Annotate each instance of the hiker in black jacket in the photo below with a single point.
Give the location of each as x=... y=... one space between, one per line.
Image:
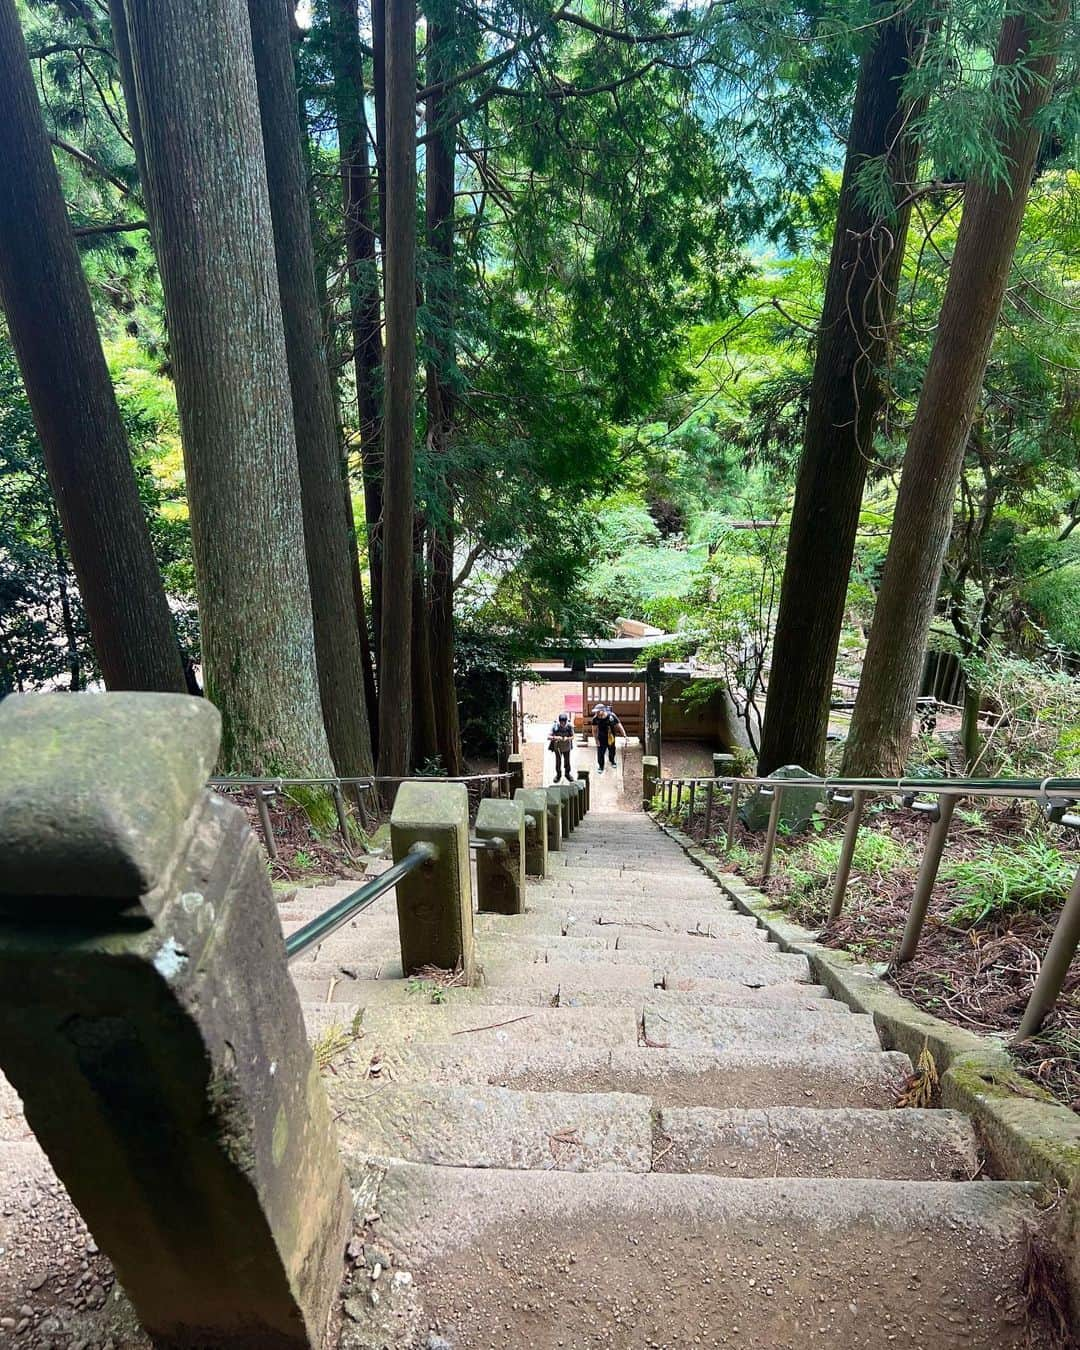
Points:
x=605 y=724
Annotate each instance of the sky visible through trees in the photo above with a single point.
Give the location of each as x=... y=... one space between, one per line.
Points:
x=349 y=352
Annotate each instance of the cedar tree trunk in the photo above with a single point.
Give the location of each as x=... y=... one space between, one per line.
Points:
x=993 y=211
x=339 y=657
x=208 y=200
x=51 y=321
x=846 y=396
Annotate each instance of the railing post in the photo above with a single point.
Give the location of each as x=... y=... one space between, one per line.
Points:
x=516 y=767
x=342 y=815
x=434 y=903
x=584 y=777
x=535 y=804
x=579 y=800
x=149 y=1025
x=670 y=793
x=770 y=834
x=851 y=834
x=262 y=796
x=708 y=809
x=690 y=805
x=1055 y=966
x=500 y=874
x=678 y=796
x=650 y=778
x=733 y=813
x=928 y=870
x=554 y=818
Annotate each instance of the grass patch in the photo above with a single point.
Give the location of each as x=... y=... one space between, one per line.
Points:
x=1027 y=877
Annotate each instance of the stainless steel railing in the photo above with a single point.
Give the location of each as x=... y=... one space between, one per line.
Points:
x=934 y=797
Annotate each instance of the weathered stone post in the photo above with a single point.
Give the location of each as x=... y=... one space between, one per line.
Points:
x=723 y=766
x=149 y=1024
x=516 y=767
x=566 y=793
x=500 y=874
x=434 y=903
x=650 y=779
x=652 y=712
x=535 y=805
x=583 y=777
x=554 y=818
x=578 y=798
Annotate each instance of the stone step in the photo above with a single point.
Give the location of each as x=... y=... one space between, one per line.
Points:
x=500 y=1258
x=693 y=944
x=494 y=1127
x=508 y=1027
x=690 y=1028
x=606 y=921
x=388 y=993
x=750 y=963
x=749 y=1073
x=803 y=1142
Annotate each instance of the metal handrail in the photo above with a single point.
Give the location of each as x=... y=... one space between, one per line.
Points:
x=338 y=914
x=1054 y=795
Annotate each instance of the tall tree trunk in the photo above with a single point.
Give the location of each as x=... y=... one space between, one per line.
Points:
x=846 y=397
x=49 y=314
x=399 y=188
x=378 y=68
x=425 y=744
x=358 y=196
x=66 y=617
x=208 y=199
x=370 y=695
x=339 y=657
x=439 y=212
x=993 y=211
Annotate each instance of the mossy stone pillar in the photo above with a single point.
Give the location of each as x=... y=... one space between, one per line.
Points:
x=650 y=779
x=534 y=803
x=500 y=874
x=723 y=766
x=554 y=818
x=583 y=778
x=516 y=767
x=434 y=903
x=149 y=1024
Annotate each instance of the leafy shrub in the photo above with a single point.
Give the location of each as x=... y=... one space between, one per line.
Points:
x=1032 y=877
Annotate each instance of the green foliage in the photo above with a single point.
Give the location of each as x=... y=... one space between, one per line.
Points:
x=814 y=864
x=1027 y=876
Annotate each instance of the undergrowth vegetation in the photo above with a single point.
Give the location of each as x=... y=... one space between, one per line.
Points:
x=1000 y=889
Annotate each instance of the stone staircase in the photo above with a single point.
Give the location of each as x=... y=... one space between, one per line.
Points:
x=647 y=1128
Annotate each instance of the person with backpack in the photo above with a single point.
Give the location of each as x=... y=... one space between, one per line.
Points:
x=561 y=740
x=605 y=723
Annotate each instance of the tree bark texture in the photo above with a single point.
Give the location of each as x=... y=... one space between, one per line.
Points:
x=56 y=341
x=846 y=397
x=439 y=217
x=358 y=201
x=339 y=657
x=399 y=409
x=881 y=722
x=207 y=191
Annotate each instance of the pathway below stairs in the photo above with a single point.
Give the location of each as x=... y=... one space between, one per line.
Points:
x=647 y=1128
